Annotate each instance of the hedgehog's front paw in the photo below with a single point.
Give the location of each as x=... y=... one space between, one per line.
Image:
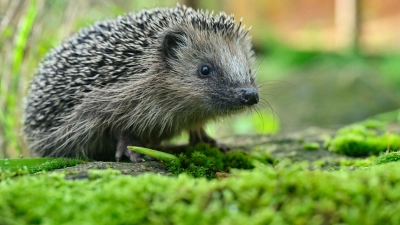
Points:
x=196 y=136
x=122 y=149
x=133 y=156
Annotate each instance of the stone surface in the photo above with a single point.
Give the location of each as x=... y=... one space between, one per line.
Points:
x=127 y=168
x=281 y=146
x=288 y=145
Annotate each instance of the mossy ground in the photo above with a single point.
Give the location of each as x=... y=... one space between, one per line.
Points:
x=18 y=167
x=288 y=193
x=263 y=191
x=389 y=157
x=204 y=161
x=364 y=139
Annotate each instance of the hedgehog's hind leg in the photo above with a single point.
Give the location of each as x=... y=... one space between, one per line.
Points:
x=123 y=141
x=200 y=135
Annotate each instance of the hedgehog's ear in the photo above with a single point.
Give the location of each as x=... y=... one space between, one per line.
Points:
x=172 y=42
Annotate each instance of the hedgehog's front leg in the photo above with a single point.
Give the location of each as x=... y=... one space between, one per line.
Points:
x=123 y=141
x=200 y=135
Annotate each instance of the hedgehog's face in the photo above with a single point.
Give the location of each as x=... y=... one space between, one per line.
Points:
x=212 y=70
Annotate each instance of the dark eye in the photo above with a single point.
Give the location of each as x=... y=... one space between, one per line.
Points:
x=205 y=70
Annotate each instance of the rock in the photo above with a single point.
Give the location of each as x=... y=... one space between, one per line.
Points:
x=127 y=168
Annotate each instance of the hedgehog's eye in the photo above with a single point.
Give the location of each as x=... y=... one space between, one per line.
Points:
x=205 y=70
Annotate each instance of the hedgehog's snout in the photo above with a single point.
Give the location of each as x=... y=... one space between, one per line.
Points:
x=248 y=96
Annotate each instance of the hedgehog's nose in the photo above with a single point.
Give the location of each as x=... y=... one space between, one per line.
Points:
x=248 y=96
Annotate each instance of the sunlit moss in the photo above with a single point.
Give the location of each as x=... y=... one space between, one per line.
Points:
x=389 y=157
x=285 y=194
x=311 y=146
x=363 y=140
x=357 y=162
x=17 y=167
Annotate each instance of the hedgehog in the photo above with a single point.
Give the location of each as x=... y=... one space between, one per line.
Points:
x=139 y=79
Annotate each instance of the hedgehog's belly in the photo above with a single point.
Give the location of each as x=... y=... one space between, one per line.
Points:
x=155 y=136
x=104 y=150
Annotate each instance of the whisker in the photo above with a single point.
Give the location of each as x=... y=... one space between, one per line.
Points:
x=260 y=115
x=277 y=81
x=258 y=67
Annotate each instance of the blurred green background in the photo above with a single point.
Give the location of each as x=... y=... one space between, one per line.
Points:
x=320 y=63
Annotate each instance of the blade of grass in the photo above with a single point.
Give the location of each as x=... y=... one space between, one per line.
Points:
x=21 y=39
x=9 y=92
x=153 y=153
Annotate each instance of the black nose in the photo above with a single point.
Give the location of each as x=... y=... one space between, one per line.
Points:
x=248 y=96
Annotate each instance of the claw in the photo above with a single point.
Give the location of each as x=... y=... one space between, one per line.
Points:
x=134 y=156
x=122 y=149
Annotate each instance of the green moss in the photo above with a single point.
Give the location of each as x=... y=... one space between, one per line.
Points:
x=7 y=173
x=17 y=167
x=204 y=161
x=286 y=194
x=319 y=163
x=358 y=162
x=265 y=158
x=311 y=146
x=345 y=164
x=56 y=163
x=237 y=160
x=373 y=124
x=362 y=140
x=388 y=157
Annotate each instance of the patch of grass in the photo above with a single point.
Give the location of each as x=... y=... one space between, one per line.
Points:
x=10 y=85
x=204 y=161
x=286 y=194
x=362 y=140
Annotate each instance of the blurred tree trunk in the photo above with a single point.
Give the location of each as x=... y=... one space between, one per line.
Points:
x=348 y=23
